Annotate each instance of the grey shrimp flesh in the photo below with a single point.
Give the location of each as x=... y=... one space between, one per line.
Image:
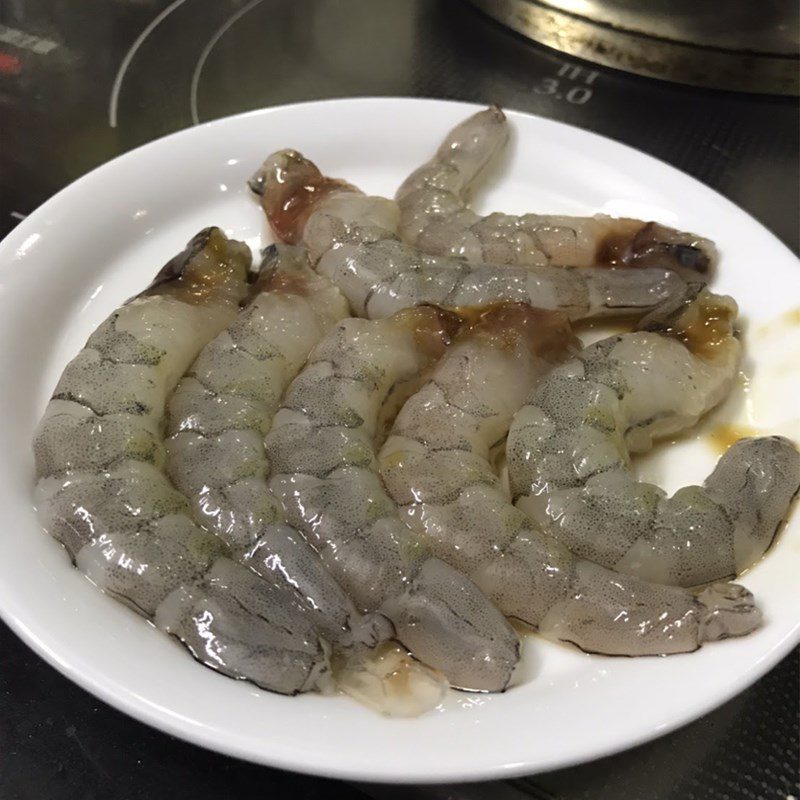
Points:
x=322 y=450
x=291 y=189
x=218 y=417
x=436 y=466
x=103 y=493
x=435 y=217
x=223 y=407
x=569 y=453
x=352 y=240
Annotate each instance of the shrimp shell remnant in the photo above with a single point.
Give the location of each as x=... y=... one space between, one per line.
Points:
x=322 y=451
x=435 y=218
x=569 y=453
x=103 y=494
x=436 y=466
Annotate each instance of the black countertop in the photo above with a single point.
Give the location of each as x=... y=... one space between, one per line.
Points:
x=83 y=82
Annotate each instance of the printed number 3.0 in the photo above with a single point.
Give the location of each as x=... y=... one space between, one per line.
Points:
x=578 y=95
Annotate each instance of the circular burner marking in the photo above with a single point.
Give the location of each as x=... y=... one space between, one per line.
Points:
x=198 y=69
x=123 y=67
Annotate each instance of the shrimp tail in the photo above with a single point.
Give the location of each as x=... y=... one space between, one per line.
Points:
x=667 y=313
x=462 y=156
x=388 y=680
x=755 y=482
x=444 y=615
x=728 y=609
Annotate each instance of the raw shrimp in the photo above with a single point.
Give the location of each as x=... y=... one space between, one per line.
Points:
x=436 y=467
x=222 y=409
x=321 y=447
x=434 y=217
x=352 y=240
x=109 y=402
x=569 y=454
x=376 y=672
x=218 y=417
x=103 y=494
x=381 y=277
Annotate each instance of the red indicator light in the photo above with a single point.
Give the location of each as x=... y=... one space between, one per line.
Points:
x=9 y=65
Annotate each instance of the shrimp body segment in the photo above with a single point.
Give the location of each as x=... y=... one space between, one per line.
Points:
x=570 y=467
x=436 y=466
x=434 y=217
x=322 y=450
x=103 y=494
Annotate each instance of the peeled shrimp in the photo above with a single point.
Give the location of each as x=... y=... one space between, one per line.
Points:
x=434 y=217
x=103 y=494
x=321 y=447
x=218 y=417
x=569 y=454
x=223 y=407
x=384 y=276
x=292 y=189
x=352 y=240
x=220 y=412
x=436 y=466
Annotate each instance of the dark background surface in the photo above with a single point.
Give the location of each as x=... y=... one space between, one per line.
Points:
x=60 y=116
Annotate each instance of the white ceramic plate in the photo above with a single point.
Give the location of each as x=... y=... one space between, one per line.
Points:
x=102 y=239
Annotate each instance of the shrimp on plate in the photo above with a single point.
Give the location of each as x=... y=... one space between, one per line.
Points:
x=218 y=416
x=436 y=465
x=222 y=409
x=434 y=216
x=102 y=491
x=352 y=240
x=474 y=647
x=322 y=449
x=569 y=452
x=385 y=276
